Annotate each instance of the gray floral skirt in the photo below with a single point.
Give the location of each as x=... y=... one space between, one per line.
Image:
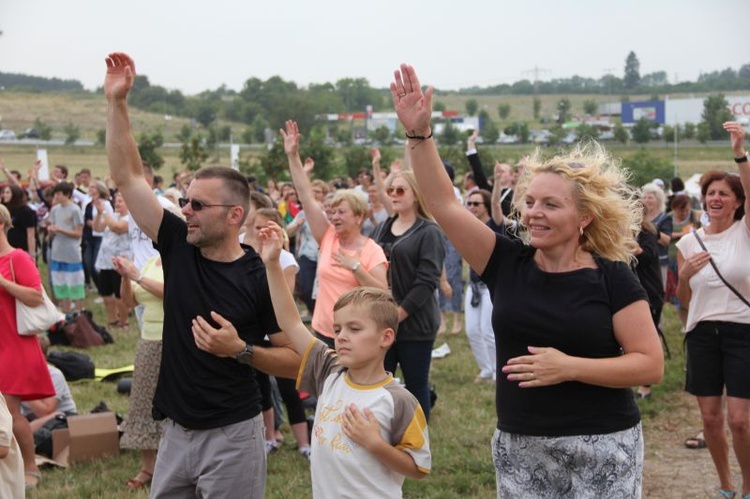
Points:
x=140 y=431
x=582 y=466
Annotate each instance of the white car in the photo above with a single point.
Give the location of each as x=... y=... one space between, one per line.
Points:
x=508 y=139
x=7 y=135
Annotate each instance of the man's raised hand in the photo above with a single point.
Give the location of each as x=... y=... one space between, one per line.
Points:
x=120 y=76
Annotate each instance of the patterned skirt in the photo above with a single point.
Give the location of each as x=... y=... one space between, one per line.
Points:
x=140 y=431
x=574 y=467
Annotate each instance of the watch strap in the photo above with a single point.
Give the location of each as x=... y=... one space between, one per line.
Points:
x=741 y=159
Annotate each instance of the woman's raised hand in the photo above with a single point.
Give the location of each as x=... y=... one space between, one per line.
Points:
x=291 y=138
x=414 y=108
x=737 y=136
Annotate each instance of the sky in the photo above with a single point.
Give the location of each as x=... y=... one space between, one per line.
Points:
x=194 y=46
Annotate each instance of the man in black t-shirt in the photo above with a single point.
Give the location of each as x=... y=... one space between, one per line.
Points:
x=216 y=306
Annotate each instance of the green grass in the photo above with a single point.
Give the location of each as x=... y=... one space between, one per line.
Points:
x=461 y=426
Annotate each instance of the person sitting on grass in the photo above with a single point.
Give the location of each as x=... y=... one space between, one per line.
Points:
x=369 y=431
x=42 y=410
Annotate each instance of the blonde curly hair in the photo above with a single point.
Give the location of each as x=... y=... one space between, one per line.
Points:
x=601 y=190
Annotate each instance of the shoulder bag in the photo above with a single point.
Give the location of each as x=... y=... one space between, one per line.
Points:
x=716 y=269
x=35 y=320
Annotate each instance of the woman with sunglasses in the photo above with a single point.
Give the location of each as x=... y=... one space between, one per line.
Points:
x=572 y=324
x=347 y=258
x=413 y=245
x=718 y=322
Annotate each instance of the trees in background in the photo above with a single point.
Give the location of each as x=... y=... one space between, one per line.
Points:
x=632 y=77
x=715 y=113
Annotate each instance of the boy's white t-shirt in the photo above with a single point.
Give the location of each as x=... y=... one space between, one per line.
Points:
x=340 y=467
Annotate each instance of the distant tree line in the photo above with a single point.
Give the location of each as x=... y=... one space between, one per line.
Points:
x=26 y=83
x=652 y=83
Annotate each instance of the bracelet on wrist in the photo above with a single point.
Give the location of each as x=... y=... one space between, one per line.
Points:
x=741 y=159
x=418 y=137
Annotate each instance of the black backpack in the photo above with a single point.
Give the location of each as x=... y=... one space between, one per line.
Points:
x=74 y=365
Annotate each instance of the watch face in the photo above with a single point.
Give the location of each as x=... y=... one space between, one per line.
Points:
x=246 y=355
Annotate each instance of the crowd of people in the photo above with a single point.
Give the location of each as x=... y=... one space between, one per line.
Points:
x=569 y=269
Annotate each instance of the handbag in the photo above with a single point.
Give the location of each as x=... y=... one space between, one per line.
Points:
x=716 y=269
x=81 y=333
x=35 y=320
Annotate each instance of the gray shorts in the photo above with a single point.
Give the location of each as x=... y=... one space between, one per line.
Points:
x=581 y=466
x=225 y=462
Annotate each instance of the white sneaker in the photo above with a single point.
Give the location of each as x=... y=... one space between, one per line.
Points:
x=271 y=447
x=98 y=299
x=441 y=351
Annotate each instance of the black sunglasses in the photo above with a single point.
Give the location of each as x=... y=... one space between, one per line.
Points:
x=198 y=205
x=397 y=191
x=474 y=203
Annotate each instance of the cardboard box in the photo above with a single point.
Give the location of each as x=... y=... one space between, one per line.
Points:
x=88 y=437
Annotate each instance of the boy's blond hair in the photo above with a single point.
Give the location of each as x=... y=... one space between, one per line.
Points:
x=379 y=304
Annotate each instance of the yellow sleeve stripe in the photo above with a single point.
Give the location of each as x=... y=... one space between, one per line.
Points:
x=304 y=361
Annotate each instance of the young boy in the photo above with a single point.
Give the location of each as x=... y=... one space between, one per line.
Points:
x=66 y=266
x=369 y=431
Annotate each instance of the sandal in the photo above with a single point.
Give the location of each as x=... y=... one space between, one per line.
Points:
x=36 y=477
x=725 y=494
x=696 y=442
x=142 y=479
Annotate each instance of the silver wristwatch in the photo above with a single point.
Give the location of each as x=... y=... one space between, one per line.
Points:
x=246 y=354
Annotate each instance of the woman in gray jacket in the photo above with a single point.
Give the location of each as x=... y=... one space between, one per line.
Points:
x=413 y=245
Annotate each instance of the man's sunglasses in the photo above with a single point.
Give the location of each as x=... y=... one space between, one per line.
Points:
x=396 y=191
x=474 y=203
x=198 y=205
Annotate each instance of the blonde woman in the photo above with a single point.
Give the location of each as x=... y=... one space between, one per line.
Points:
x=347 y=258
x=655 y=201
x=413 y=245
x=572 y=324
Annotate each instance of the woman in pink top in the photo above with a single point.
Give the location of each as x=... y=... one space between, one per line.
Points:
x=347 y=258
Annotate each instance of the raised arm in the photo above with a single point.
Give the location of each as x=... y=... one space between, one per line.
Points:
x=8 y=175
x=473 y=240
x=313 y=211
x=286 y=311
x=737 y=136
x=472 y=155
x=496 y=207
x=380 y=184
x=125 y=165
